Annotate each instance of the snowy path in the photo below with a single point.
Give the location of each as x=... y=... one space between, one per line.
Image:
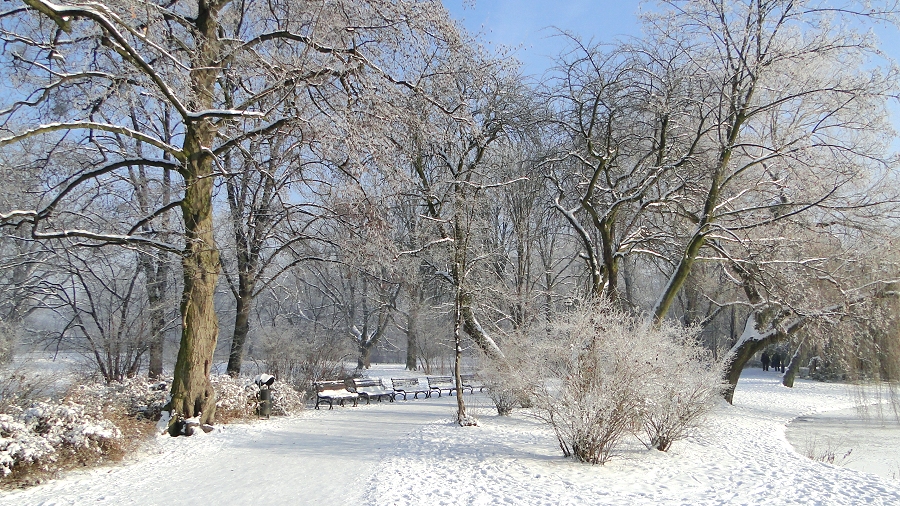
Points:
x=409 y=453
x=320 y=458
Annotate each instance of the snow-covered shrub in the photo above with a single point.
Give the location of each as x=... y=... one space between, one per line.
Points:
x=504 y=398
x=21 y=446
x=601 y=374
x=681 y=385
x=47 y=432
x=507 y=386
x=236 y=398
x=287 y=401
x=135 y=397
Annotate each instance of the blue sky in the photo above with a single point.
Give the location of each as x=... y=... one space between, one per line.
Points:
x=529 y=25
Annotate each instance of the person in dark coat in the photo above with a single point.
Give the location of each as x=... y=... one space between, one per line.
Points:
x=765 y=360
x=776 y=361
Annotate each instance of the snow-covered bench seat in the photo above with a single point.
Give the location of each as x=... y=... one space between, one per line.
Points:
x=438 y=383
x=331 y=391
x=404 y=386
x=370 y=389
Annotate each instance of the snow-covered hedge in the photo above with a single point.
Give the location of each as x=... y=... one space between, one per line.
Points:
x=600 y=374
x=47 y=431
x=236 y=398
x=42 y=435
x=134 y=397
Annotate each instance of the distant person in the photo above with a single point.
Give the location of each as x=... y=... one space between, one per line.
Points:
x=776 y=361
x=765 y=361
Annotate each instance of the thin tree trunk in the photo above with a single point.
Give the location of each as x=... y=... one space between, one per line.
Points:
x=157 y=273
x=461 y=417
x=412 y=337
x=473 y=328
x=239 y=337
x=793 y=366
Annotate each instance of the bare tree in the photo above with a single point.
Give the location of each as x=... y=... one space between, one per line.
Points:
x=629 y=128
x=108 y=319
x=796 y=118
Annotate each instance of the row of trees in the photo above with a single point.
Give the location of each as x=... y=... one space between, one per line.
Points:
x=359 y=170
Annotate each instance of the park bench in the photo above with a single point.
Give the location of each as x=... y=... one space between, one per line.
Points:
x=404 y=386
x=331 y=391
x=438 y=383
x=370 y=389
x=471 y=382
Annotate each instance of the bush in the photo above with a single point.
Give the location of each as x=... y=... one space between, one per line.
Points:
x=504 y=380
x=504 y=398
x=134 y=397
x=236 y=399
x=680 y=389
x=603 y=374
x=99 y=421
x=48 y=434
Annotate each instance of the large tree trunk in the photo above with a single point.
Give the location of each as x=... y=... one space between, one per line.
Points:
x=192 y=392
x=740 y=355
x=364 y=360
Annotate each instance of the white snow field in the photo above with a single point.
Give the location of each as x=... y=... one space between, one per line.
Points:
x=410 y=453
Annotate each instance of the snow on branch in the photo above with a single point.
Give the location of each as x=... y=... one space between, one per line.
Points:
x=223 y=113
x=106 y=239
x=423 y=248
x=90 y=125
x=17 y=213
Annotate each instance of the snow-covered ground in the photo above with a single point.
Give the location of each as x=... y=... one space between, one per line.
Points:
x=866 y=441
x=410 y=453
